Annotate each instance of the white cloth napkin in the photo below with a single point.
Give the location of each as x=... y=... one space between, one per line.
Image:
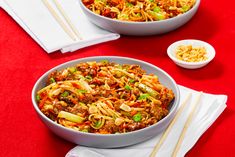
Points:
x=208 y=110
x=37 y=21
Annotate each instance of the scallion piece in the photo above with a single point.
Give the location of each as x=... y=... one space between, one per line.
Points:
x=157 y=9
x=72 y=69
x=98 y=123
x=131 y=80
x=52 y=80
x=65 y=94
x=143 y=96
x=84 y=130
x=71 y=117
x=185 y=8
x=38 y=97
x=82 y=91
x=148 y=90
x=127 y=87
x=104 y=61
x=88 y=77
x=160 y=16
x=129 y=4
x=137 y=117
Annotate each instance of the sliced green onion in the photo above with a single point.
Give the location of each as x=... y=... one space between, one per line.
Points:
x=157 y=9
x=157 y=15
x=71 y=117
x=52 y=80
x=127 y=87
x=72 y=69
x=129 y=4
x=82 y=91
x=143 y=96
x=98 y=123
x=137 y=117
x=84 y=130
x=65 y=94
x=84 y=106
x=148 y=90
x=185 y=8
x=38 y=98
x=88 y=77
x=123 y=16
x=131 y=80
x=160 y=16
x=104 y=61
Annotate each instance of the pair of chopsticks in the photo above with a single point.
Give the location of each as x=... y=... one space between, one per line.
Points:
x=189 y=120
x=72 y=31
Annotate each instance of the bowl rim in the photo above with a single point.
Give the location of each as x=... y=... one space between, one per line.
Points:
x=196 y=5
x=35 y=105
x=211 y=52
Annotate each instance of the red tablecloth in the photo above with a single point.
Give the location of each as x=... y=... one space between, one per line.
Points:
x=22 y=62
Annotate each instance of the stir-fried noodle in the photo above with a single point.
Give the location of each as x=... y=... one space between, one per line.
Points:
x=104 y=97
x=139 y=10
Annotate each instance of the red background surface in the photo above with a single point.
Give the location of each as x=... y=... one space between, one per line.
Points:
x=22 y=62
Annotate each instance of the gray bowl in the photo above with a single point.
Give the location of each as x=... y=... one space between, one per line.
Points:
x=112 y=140
x=140 y=28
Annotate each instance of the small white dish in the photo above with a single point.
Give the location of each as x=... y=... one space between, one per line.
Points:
x=171 y=51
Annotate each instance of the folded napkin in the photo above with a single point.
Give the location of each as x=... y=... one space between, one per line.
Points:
x=207 y=111
x=38 y=22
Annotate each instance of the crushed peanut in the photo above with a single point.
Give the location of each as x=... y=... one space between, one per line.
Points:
x=188 y=53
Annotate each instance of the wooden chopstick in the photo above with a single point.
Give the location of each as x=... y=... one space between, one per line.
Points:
x=58 y=19
x=74 y=29
x=189 y=120
x=165 y=134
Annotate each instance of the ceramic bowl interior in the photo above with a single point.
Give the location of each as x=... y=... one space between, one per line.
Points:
x=139 y=28
x=171 y=51
x=112 y=140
